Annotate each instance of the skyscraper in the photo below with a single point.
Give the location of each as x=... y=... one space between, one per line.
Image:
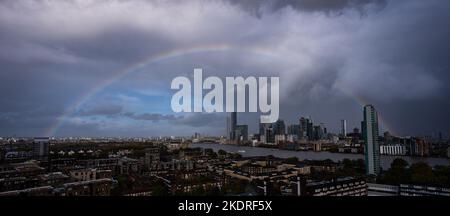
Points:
x=293 y=129
x=228 y=134
x=303 y=127
x=233 y=123
x=343 y=128
x=317 y=132
x=309 y=129
x=279 y=127
x=241 y=133
x=370 y=133
x=293 y=132
x=269 y=135
x=265 y=132
x=322 y=131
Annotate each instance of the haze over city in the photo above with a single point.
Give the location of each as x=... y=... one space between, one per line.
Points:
x=103 y=68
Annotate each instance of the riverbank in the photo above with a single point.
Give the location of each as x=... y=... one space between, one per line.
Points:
x=247 y=151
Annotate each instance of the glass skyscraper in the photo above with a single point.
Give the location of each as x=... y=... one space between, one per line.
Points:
x=370 y=132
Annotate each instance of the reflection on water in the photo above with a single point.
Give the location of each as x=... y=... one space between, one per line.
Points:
x=246 y=151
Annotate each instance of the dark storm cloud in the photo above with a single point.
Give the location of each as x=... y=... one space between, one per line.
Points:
x=103 y=110
x=155 y=117
x=334 y=6
x=121 y=44
x=54 y=52
x=85 y=129
x=202 y=120
x=190 y=119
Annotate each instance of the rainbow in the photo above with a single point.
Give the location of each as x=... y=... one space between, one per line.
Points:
x=51 y=131
x=53 y=128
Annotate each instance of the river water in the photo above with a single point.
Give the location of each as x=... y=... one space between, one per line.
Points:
x=247 y=151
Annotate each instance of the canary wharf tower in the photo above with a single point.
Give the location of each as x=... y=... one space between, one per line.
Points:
x=370 y=133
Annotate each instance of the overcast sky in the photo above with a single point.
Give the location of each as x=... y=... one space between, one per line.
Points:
x=331 y=56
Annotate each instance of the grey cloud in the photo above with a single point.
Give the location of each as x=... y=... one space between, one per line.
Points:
x=257 y=7
x=188 y=119
x=155 y=117
x=395 y=58
x=103 y=109
x=202 y=120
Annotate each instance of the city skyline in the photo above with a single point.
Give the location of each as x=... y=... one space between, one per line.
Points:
x=287 y=124
x=97 y=69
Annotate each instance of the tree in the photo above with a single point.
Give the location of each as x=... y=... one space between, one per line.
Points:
x=198 y=191
x=347 y=163
x=236 y=186
x=360 y=166
x=421 y=173
x=214 y=191
x=442 y=175
x=160 y=189
x=347 y=168
x=399 y=163
x=398 y=173
x=291 y=160
x=221 y=152
x=163 y=150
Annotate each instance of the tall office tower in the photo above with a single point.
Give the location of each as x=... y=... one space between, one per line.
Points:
x=303 y=127
x=370 y=133
x=309 y=129
x=293 y=129
x=233 y=123
x=316 y=132
x=343 y=128
x=228 y=128
x=323 y=131
x=279 y=128
x=263 y=129
x=269 y=135
x=241 y=133
x=40 y=148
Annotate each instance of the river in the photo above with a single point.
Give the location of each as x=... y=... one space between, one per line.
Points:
x=247 y=151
